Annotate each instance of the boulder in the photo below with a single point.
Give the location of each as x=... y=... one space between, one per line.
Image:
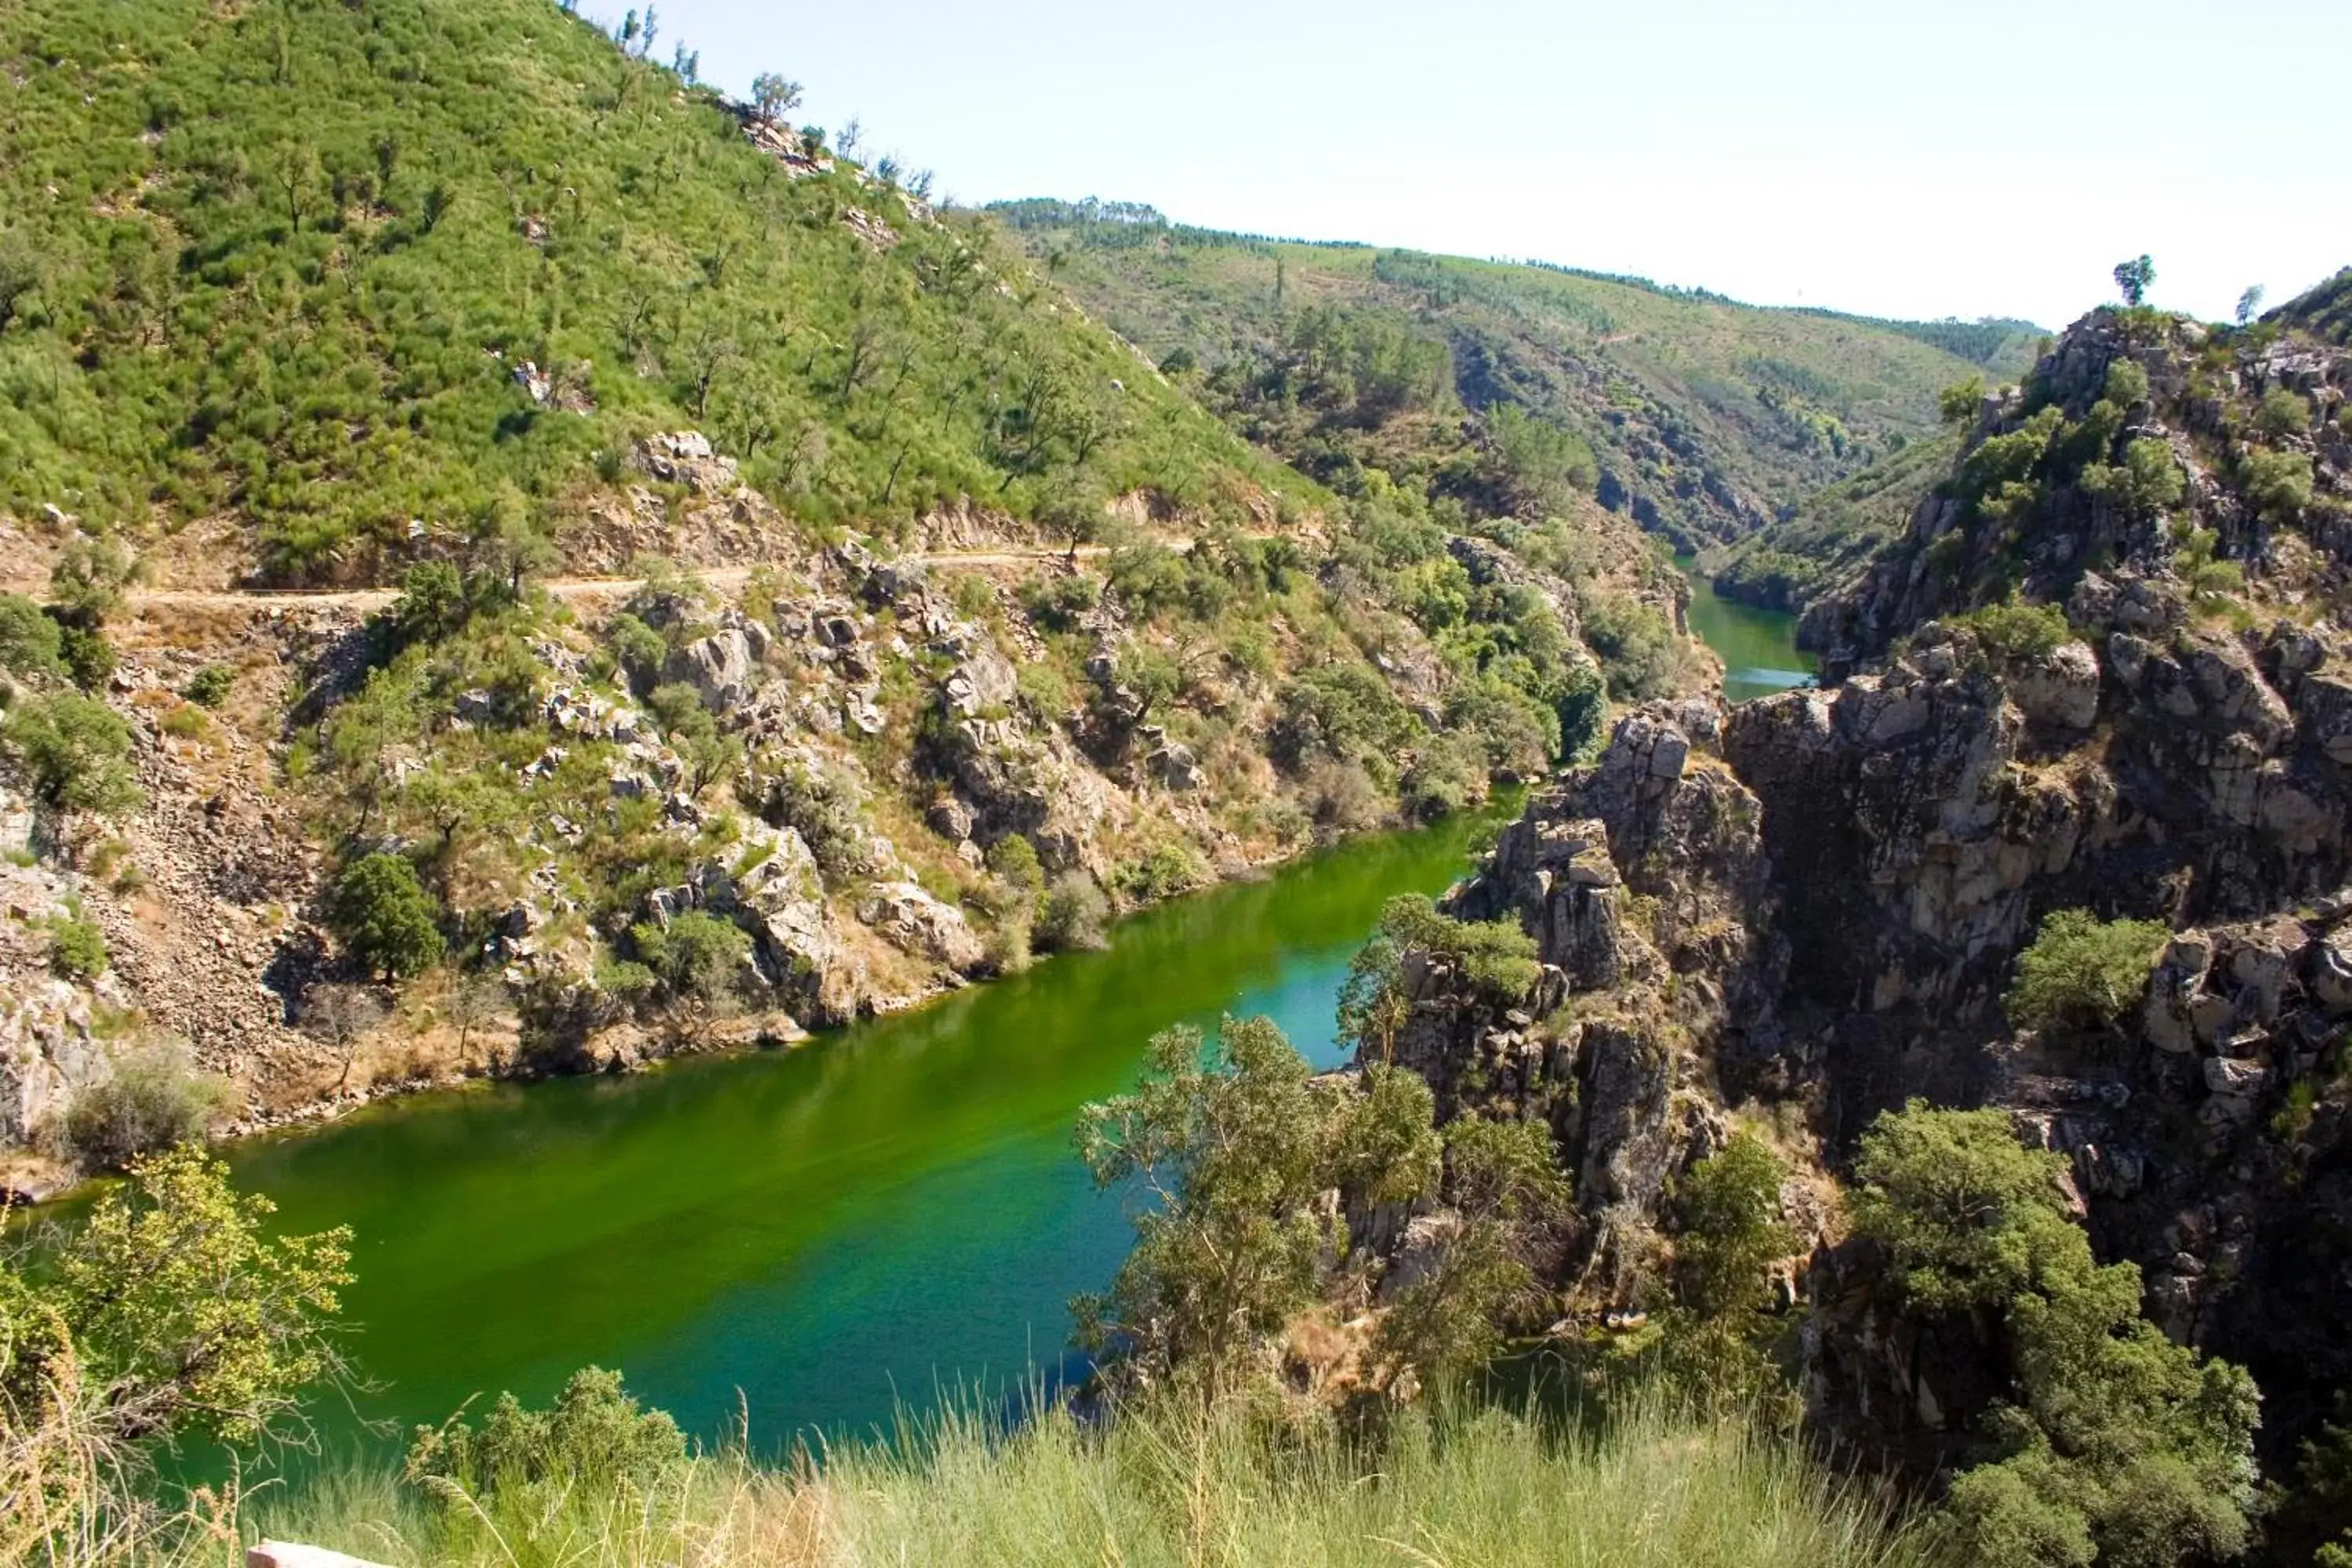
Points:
x=2061 y=689
x=912 y=919
x=719 y=667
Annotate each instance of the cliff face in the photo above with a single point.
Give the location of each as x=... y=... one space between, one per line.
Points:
x=1818 y=899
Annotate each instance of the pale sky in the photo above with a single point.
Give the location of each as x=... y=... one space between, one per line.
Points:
x=1919 y=158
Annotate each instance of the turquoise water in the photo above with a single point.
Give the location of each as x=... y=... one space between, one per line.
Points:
x=1759 y=648
x=883 y=1213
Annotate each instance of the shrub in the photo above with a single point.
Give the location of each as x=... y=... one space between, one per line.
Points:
x=153 y=1099
x=1167 y=869
x=2081 y=972
x=2015 y=632
x=1072 y=915
x=696 y=956
x=594 y=1437
x=1449 y=774
x=2283 y=413
x=209 y=688
x=1496 y=956
x=30 y=643
x=385 y=917
x=1013 y=860
x=1635 y=644
x=637 y=649
x=2278 y=483
x=2108 y=1442
x=1959 y=403
x=77 y=750
x=1343 y=709
x=1056 y=599
x=77 y=947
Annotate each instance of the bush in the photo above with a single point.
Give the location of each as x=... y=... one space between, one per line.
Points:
x=2082 y=973
x=2106 y=1440
x=637 y=649
x=696 y=956
x=77 y=750
x=593 y=1438
x=153 y=1098
x=1959 y=403
x=30 y=643
x=385 y=917
x=2015 y=632
x=1635 y=644
x=2283 y=413
x=2278 y=483
x=1072 y=915
x=1167 y=869
x=1013 y=860
x=77 y=947
x=1496 y=956
x=1057 y=599
x=210 y=687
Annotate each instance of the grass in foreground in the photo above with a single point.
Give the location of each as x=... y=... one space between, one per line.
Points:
x=1161 y=1487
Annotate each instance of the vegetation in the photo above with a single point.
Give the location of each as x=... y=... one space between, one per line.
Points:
x=2014 y=632
x=385 y=917
x=152 y=1099
x=2109 y=1443
x=513 y=250
x=77 y=750
x=76 y=946
x=1164 y=1483
x=2081 y=972
x=1495 y=956
x=167 y=1313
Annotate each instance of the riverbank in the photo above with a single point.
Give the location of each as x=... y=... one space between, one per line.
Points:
x=1758 y=646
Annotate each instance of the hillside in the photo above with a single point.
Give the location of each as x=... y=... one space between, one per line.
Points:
x=735 y=598
x=1699 y=417
x=336 y=285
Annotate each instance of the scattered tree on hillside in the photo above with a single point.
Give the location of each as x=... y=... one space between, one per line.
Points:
x=2132 y=277
x=2249 y=303
x=385 y=917
x=774 y=97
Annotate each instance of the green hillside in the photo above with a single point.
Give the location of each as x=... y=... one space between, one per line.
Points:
x=1704 y=417
x=287 y=259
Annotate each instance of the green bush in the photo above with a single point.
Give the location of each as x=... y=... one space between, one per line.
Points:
x=1072 y=915
x=385 y=917
x=2083 y=972
x=1167 y=869
x=2016 y=632
x=1056 y=599
x=637 y=649
x=77 y=750
x=697 y=955
x=1496 y=956
x=2105 y=1441
x=1635 y=643
x=30 y=642
x=77 y=947
x=210 y=687
x=1959 y=403
x=594 y=1438
x=2283 y=413
x=152 y=1099
x=2278 y=483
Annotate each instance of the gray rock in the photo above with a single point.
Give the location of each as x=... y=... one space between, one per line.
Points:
x=718 y=667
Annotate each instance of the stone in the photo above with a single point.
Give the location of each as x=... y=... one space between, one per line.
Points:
x=293 y=1554
x=909 y=916
x=2062 y=690
x=719 y=668
x=2331 y=970
x=2235 y=1077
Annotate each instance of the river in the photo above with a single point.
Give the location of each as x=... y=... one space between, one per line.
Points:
x=871 y=1217
x=1759 y=648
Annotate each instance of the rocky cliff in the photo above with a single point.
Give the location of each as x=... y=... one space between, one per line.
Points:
x=2105 y=670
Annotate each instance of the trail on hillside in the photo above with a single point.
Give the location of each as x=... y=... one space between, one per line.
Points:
x=368 y=599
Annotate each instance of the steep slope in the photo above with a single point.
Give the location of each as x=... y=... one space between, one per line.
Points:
x=1706 y=418
x=353 y=278
x=2103 y=670
x=758 y=602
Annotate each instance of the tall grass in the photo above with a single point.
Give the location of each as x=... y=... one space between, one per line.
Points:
x=1166 y=1485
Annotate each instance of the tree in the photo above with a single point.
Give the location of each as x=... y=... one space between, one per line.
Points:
x=30 y=644
x=1228 y=1152
x=2112 y=1443
x=2081 y=972
x=153 y=1097
x=343 y=1014
x=2249 y=303
x=774 y=97
x=1373 y=1004
x=385 y=917
x=1505 y=1189
x=177 y=1313
x=2132 y=277
x=77 y=750
x=697 y=958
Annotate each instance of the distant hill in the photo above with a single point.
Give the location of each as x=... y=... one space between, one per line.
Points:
x=1705 y=418
x=326 y=269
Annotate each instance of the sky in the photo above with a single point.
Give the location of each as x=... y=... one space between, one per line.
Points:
x=1912 y=158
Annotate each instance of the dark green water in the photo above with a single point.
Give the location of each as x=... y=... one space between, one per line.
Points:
x=870 y=1217
x=1759 y=648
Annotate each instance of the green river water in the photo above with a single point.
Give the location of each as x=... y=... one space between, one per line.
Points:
x=874 y=1217
x=1759 y=648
